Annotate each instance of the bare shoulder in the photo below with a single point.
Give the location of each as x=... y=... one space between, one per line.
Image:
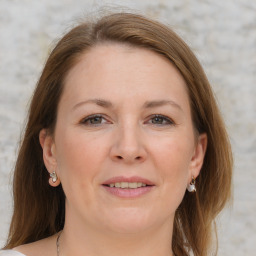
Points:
x=44 y=247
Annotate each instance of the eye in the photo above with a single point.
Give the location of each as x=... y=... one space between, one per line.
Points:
x=94 y=120
x=161 y=120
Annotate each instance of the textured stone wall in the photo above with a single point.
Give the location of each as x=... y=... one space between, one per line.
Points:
x=222 y=34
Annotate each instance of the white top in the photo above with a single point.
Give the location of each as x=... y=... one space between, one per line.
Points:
x=10 y=253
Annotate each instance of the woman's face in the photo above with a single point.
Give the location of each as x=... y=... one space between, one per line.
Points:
x=124 y=119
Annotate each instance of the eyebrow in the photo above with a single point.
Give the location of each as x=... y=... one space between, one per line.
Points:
x=147 y=104
x=159 y=103
x=99 y=102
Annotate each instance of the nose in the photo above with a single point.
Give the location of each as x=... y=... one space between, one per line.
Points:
x=128 y=145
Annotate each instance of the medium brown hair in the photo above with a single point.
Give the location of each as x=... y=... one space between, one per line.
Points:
x=39 y=209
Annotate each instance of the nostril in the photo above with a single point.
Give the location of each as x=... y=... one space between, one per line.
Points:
x=138 y=158
x=119 y=157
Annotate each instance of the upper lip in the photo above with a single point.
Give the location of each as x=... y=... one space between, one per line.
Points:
x=128 y=179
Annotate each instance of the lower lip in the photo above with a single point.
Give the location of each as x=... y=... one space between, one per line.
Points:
x=129 y=192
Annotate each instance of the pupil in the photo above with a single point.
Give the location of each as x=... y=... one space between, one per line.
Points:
x=158 y=120
x=96 y=120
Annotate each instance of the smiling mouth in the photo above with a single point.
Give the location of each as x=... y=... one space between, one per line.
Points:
x=126 y=185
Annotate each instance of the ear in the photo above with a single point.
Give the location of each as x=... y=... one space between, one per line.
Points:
x=197 y=159
x=49 y=154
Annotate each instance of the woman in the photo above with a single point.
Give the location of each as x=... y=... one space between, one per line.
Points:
x=124 y=126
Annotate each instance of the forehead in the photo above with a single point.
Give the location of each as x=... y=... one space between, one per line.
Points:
x=122 y=57
x=115 y=70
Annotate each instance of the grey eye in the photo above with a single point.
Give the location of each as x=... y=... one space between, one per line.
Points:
x=161 y=120
x=95 y=120
x=157 y=120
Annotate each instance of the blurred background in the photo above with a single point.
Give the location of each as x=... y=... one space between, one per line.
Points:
x=222 y=35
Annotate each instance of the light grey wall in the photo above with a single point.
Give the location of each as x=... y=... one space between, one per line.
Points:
x=222 y=34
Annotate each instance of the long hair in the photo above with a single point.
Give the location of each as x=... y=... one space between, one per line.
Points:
x=39 y=209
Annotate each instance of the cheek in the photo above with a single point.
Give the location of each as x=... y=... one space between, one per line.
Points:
x=172 y=159
x=174 y=154
x=78 y=157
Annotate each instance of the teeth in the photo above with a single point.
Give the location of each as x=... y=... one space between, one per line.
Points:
x=127 y=185
x=117 y=185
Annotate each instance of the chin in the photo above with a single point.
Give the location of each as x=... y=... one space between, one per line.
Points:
x=130 y=220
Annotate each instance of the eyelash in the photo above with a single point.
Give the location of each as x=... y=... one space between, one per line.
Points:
x=166 y=119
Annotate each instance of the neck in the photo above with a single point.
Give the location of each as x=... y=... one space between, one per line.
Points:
x=77 y=239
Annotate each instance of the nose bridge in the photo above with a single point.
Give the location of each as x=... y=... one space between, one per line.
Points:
x=128 y=144
x=129 y=136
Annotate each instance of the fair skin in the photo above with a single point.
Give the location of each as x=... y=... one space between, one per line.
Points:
x=126 y=87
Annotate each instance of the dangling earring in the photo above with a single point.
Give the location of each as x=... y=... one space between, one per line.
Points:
x=54 y=176
x=191 y=187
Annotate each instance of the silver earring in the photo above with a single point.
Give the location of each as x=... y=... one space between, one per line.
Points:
x=191 y=187
x=54 y=177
